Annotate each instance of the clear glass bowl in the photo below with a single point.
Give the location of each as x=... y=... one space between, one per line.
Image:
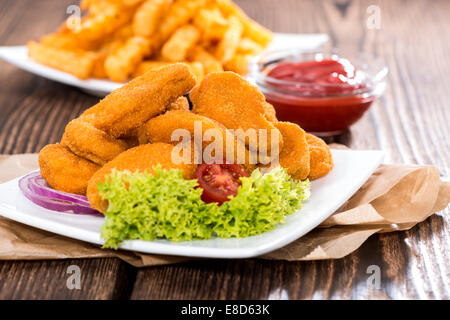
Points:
x=324 y=109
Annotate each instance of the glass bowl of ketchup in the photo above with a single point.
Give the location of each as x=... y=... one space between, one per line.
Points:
x=323 y=93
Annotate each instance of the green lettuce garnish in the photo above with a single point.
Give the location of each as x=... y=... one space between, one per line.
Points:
x=165 y=205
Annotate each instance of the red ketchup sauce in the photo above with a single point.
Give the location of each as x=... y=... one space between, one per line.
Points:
x=320 y=96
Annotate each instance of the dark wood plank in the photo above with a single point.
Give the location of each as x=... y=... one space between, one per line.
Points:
x=99 y=279
x=410 y=123
x=34 y=112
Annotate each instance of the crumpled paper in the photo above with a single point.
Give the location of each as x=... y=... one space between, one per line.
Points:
x=396 y=197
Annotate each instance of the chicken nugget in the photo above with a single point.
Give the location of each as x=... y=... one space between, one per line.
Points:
x=130 y=106
x=321 y=158
x=234 y=102
x=295 y=155
x=65 y=171
x=181 y=103
x=161 y=128
x=88 y=142
x=203 y=129
x=141 y=158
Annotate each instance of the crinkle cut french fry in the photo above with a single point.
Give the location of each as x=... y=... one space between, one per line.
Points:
x=248 y=46
x=122 y=33
x=121 y=64
x=176 y=48
x=211 y=23
x=148 y=65
x=198 y=70
x=209 y=62
x=230 y=41
x=113 y=43
x=99 y=65
x=179 y=14
x=148 y=16
x=62 y=41
x=239 y=64
x=145 y=66
x=252 y=29
x=90 y=4
x=96 y=27
x=79 y=63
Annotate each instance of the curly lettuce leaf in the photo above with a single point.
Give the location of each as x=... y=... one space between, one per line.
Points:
x=145 y=206
x=262 y=201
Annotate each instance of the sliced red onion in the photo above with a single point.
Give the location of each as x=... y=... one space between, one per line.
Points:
x=36 y=189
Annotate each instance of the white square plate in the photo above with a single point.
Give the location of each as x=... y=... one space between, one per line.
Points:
x=18 y=56
x=352 y=168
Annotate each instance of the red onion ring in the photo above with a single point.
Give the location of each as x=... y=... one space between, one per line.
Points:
x=36 y=189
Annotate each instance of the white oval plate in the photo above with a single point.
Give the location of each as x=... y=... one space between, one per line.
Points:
x=352 y=168
x=18 y=56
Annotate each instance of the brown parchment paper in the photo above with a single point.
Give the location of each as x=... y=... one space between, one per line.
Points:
x=396 y=197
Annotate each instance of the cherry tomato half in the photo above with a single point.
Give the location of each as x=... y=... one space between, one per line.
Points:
x=219 y=181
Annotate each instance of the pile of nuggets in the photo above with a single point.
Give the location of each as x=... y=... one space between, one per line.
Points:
x=131 y=129
x=119 y=39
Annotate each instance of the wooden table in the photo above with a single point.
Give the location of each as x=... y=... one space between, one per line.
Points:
x=410 y=122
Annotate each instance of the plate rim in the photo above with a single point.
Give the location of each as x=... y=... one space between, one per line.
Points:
x=190 y=251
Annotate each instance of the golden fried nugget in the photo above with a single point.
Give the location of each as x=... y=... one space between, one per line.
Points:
x=181 y=103
x=178 y=45
x=321 y=158
x=201 y=130
x=269 y=112
x=88 y=142
x=141 y=158
x=130 y=106
x=161 y=128
x=295 y=155
x=232 y=101
x=65 y=171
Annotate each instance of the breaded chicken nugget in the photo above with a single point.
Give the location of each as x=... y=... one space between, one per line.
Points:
x=269 y=112
x=229 y=99
x=181 y=103
x=321 y=158
x=141 y=158
x=295 y=155
x=88 y=142
x=161 y=128
x=130 y=106
x=65 y=171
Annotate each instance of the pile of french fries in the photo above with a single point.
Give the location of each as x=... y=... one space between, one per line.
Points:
x=122 y=39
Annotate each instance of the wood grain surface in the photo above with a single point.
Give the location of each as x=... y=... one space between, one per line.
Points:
x=410 y=122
